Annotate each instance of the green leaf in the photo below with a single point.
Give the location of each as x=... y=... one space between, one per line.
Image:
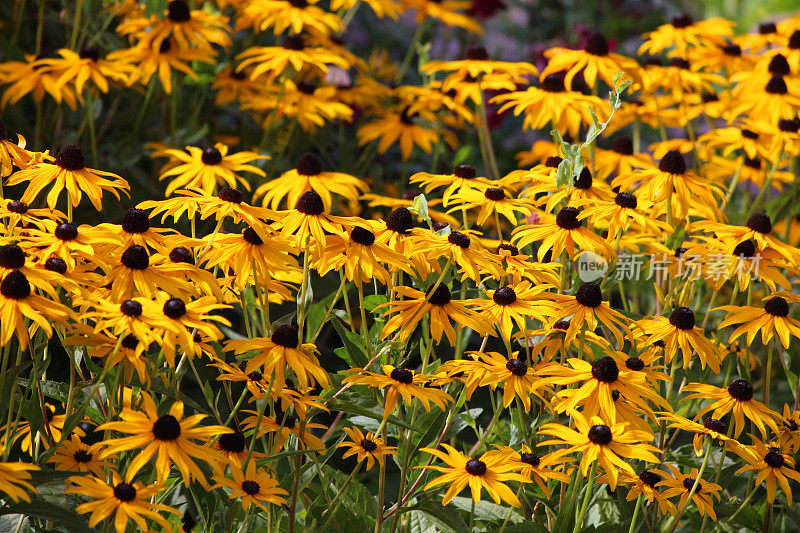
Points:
x=446 y=516
x=47 y=511
x=420 y=207
x=487 y=511
x=354 y=344
x=355 y=409
x=374 y=300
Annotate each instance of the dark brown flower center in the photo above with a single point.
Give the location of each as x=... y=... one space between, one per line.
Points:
x=286 y=336
x=584 y=179
x=567 y=218
x=440 y=297
x=70 y=157
x=294 y=42
x=688 y=483
x=181 y=254
x=600 y=434
x=623 y=145
x=178 y=11
x=459 y=239
x=741 y=390
x=733 y=50
x=605 y=369
x=166 y=428
x=504 y=296
x=400 y=220
x=495 y=194
x=466 y=172
x=310 y=203
x=634 y=363
x=135 y=221
x=251 y=237
x=89 y=52
x=362 y=236
x=232 y=442
x=17 y=207
x=589 y=295
x=760 y=222
x=82 y=456
x=767 y=27
x=15 y=286
x=776 y=85
x=251 y=487
x=779 y=66
x=56 y=264
x=714 y=424
x=211 y=156
x=517 y=367
x=553 y=84
x=174 y=308
x=626 y=200
x=682 y=318
x=229 y=194
x=682 y=21
x=402 y=375
x=135 y=257
x=130 y=308
x=679 y=62
x=66 y=232
x=476 y=53
x=130 y=341
x=777 y=306
x=11 y=256
x=475 y=467
x=530 y=459
x=508 y=247
x=774 y=459
x=125 y=492
x=672 y=163
x=308 y=165
x=649 y=478
x=368 y=445
x=745 y=249
x=553 y=161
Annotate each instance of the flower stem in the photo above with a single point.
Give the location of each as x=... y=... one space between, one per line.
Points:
x=768 y=371
x=673 y=523
x=587 y=496
x=635 y=513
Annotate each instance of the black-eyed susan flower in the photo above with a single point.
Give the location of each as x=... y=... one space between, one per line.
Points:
x=67 y=171
x=513 y=304
x=14 y=478
x=712 y=428
x=234 y=449
x=86 y=65
x=399 y=126
x=441 y=308
x=270 y=62
x=552 y=104
x=12 y=152
x=29 y=77
x=491 y=472
x=596 y=441
x=772 y=320
x=774 y=466
x=673 y=188
x=555 y=339
x=273 y=355
x=284 y=426
x=600 y=379
x=459 y=248
x=120 y=501
x=360 y=257
x=539 y=468
x=163 y=61
x=171 y=437
x=519 y=380
x=74 y=455
x=492 y=201
x=676 y=483
x=14 y=214
x=404 y=382
x=645 y=484
x=281 y=15
x=736 y=398
x=680 y=334
x=587 y=308
x=365 y=447
x=758 y=228
x=564 y=233
x=618 y=215
x=254 y=486
x=462 y=178
x=195 y=168
x=308 y=223
x=18 y=302
x=595 y=60
x=308 y=176
x=682 y=32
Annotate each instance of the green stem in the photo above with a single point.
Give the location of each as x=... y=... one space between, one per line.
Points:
x=483 y=131
x=76 y=24
x=768 y=371
x=636 y=513
x=673 y=523
x=587 y=496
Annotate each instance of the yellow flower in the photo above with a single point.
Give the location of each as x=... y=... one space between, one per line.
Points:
x=406 y=383
x=737 y=398
x=14 y=478
x=254 y=486
x=490 y=472
x=366 y=447
x=676 y=483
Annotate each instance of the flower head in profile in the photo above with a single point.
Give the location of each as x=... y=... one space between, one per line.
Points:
x=736 y=398
x=403 y=382
x=676 y=483
x=14 y=478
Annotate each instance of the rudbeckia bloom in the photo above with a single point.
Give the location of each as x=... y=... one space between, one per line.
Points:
x=594 y=60
x=308 y=176
x=758 y=228
x=446 y=11
x=281 y=15
x=710 y=427
x=205 y=170
x=28 y=77
x=254 y=486
x=69 y=242
x=675 y=483
x=462 y=178
x=491 y=472
x=552 y=104
x=519 y=380
x=407 y=383
x=679 y=333
x=737 y=398
x=673 y=188
x=475 y=66
x=171 y=437
x=367 y=447
x=87 y=65
x=773 y=320
x=441 y=307
x=308 y=222
x=601 y=379
x=75 y=456
x=399 y=126
x=492 y=201
x=12 y=153
x=561 y=234
x=272 y=61
x=645 y=484
x=18 y=302
x=284 y=426
x=535 y=467
x=619 y=214
x=14 y=214
x=595 y=441
x=276 y=353
x=464 y=252
x=188 y=27
x=121 y=500
x=513 y=304
x=67 y=171
x=14 y=478
x=360 y=257
x=587 y=308
x=683 y=32
x=773 y=464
